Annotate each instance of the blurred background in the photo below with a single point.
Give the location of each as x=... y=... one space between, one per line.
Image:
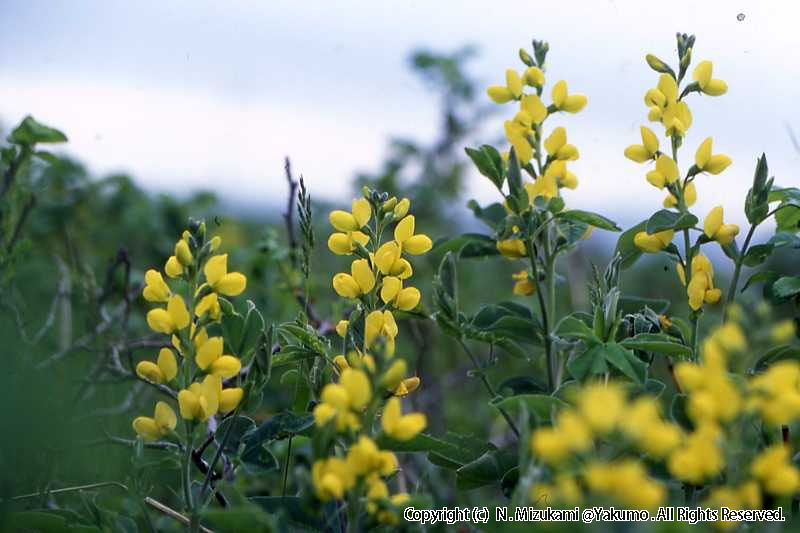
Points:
x=178 y=109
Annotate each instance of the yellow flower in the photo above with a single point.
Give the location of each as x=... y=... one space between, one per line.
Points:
x=341 y=327
x=407 y=386
x=518 y=134
x=570 y=103
x=364 y=458
x=201 y=400
x=549 y=445
x=389 y=261
x=546 y=185
x=702 y=75
x=229 y=399
x=665 y=107
x=209 y=304
x=339 y=400
x=689 y=196
x=533 y=76
x=162 y=423
x=401 y=209
x=410 y=243
x=665 y=173
x=512 y=248
x=220 y=280
x=394 y=375
x=156 y=289
x=183 y=253
x=715 y=229
x=523 y=285
x=173 y=268
x=214 y=243
x=171 y=319
x=625 y=481
x=783 y=331
x=399 y=426
x=534 y=107
x=701 y=287
x=645 y=151
x=713 y=164
x=165 y=369
x=601 y=406
x=699 y=458
x=775 y=394
x=653 y=243
x=209 y=358
x=360 y=281
x=331 y=477
x=557 y=147
x=643 y=423
x=512 y=90
x=349 y=222
x=775 y=471
x=346 y=243
x=392 y=291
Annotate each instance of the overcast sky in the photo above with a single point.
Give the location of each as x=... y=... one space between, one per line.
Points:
x=187 y=94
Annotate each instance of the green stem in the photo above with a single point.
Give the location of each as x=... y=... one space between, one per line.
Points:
x=551 y=372
x=695 y=320
x=550 y=285
x=731 y=296
x=489 y=388
x=286 y=466
x=187 y=469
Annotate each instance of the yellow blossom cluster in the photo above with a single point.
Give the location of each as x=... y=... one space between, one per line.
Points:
x=191 y=352
x=370 y=372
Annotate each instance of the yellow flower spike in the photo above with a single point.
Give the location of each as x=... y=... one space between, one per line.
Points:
x=394 y=375
x=156 y=289
x=702 y=75
x=706 y=162
x=173 y=268
x=183 y=253
x=523 y=285
x=220 y=280
x=534 y=107
x=398 y=426
x=557 y=147
x=345 y=286
x=645 y=151
x=714 y=228
x=401 y=209
x=666 y=172
x=341 y=327
x=514 y=82
x=565 y=102
x=533 y=77
x=653 y=243
x=499 y=94
x=391 y=286
x=408 y=298
x=357 y=387
x=229 y=399
x=150 y=371
x=171 y=319
x=225 y=367
x=167 y=364
x=208 y=352
x=361 y=272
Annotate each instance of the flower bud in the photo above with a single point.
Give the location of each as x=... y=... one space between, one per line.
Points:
x=182 y=253
x=526 y=58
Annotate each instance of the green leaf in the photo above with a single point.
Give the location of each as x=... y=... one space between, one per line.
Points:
x=628 y=251
x=632 y=304
x=297 y=512
x=778 y=353
x=251 y=331
x=788 y=218
x=488 y=162
x=492 y=215
x=576 y=326
x=280 y=426
x=451 y=451
x=786 y=287
x=625 y=361
x=757 y=254
x=30 y=132
x=541 y=405
x=664 y=220
x=487 y=469
x=239 y=427
x=592 y=362
x=767 y=276
x=508 y=319
x=592 y=219
x=467 y=245
x=518 y=385
x=658 y=343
